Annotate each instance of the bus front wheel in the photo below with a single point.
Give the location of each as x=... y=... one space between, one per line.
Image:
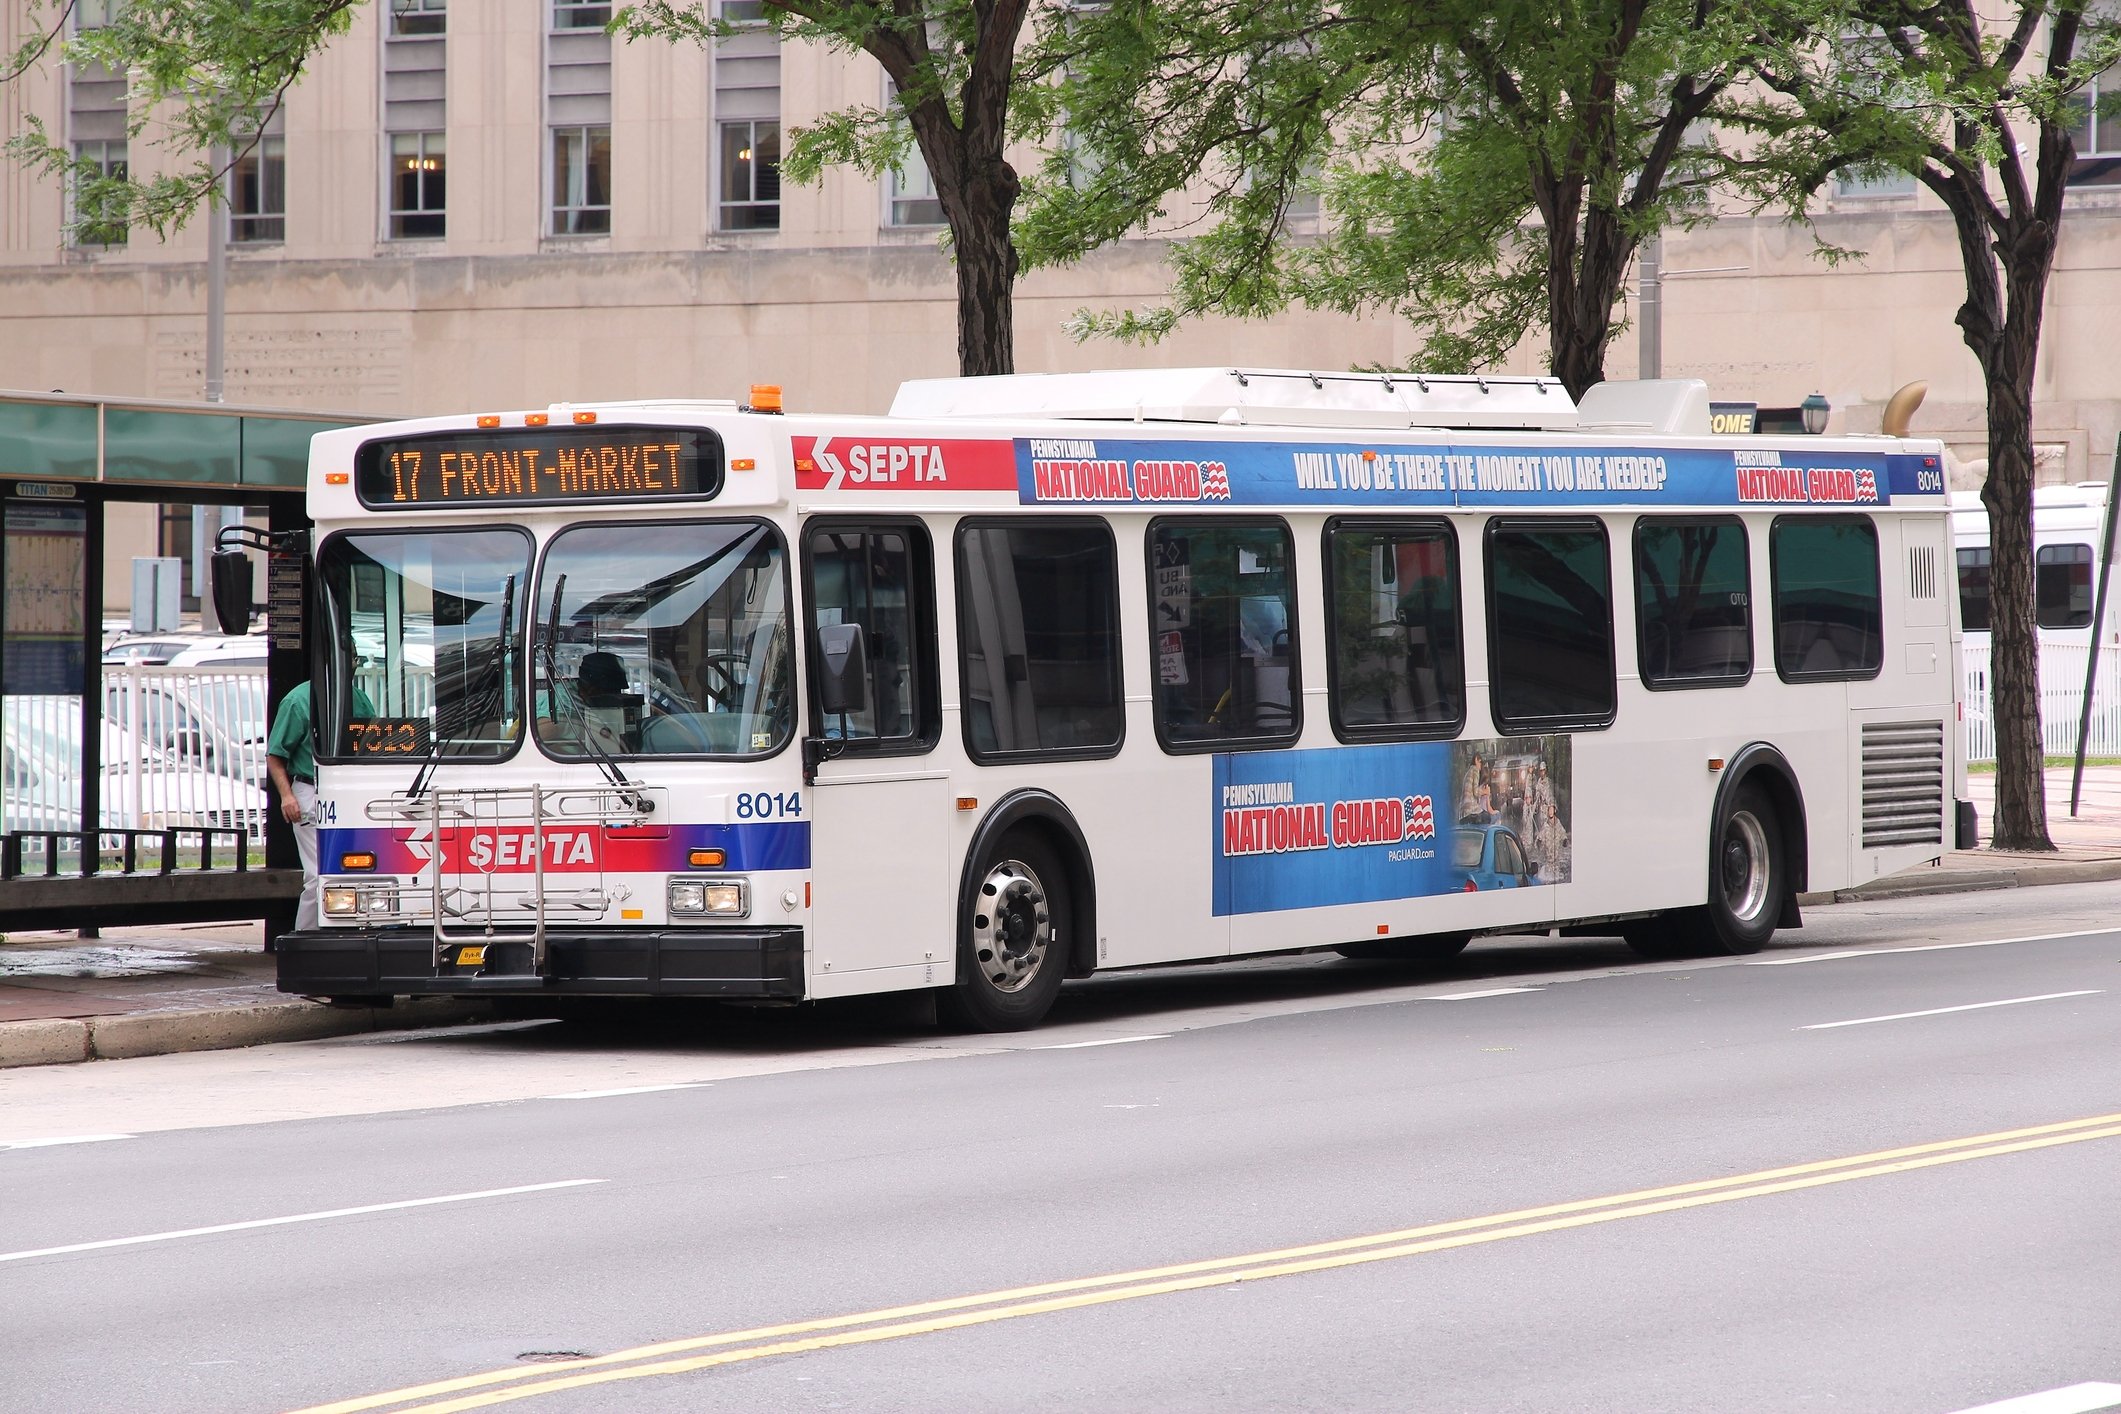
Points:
x=1012 y=948
x=1748 y=882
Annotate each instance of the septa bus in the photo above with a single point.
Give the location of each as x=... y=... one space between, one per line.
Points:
x=1039 y=676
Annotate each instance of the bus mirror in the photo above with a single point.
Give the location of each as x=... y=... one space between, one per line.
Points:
x=843 y=669
x=231 y=575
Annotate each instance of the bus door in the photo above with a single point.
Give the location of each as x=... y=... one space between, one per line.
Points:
x=881 y=804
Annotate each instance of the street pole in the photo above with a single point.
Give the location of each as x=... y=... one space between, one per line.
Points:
x=2091 y=659
x=1649 y=294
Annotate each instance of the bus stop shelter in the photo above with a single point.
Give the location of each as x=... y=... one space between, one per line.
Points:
x=65 y=463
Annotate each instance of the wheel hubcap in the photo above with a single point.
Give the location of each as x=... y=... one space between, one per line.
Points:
x=1745 y=867
x=1011 y=926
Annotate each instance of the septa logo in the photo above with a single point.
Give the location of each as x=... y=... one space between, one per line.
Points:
x=511 y=849
x=902 y=464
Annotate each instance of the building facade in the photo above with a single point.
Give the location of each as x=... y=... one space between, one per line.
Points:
x=494 y=204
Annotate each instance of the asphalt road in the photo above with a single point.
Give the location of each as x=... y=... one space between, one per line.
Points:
x=1873 y=1169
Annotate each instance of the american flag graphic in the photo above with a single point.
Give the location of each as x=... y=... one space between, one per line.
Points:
x=1214 y=481
x=1866 y=485
x=1421 y=818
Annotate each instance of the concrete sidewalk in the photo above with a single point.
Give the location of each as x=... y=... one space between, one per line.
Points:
x=156 y=990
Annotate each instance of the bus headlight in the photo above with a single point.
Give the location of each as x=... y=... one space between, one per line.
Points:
x=713 y=898
x=342 y=903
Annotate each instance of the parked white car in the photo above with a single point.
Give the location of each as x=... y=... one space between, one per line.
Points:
x=141 y=787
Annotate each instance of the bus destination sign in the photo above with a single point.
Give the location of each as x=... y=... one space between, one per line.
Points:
x=522 y=466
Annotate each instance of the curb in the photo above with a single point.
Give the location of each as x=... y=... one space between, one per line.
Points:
x=1967 y=881
x=130 y=1035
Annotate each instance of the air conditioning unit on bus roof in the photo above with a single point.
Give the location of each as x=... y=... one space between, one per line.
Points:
x=1248 y=397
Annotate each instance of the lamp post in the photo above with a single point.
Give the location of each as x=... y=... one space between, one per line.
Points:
x=1815 y=411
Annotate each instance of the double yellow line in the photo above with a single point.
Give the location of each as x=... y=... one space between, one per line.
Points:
x=678 y=1357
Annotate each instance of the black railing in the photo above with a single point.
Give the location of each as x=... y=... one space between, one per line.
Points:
x=127 y=857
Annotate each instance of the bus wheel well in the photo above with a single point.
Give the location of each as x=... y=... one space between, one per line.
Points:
x=1765 y=768
x=1041 y=814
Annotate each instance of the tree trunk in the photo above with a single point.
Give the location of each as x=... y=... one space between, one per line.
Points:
x=2014 y=643
x=986 y=273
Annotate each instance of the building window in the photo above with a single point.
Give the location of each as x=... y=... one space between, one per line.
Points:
x=1691 y=602
x=1398 y=664
x=1550 y=625
x=751 y=176
x=2095 y=128
x=99 y=216
x=1038 y=625
x=257 y=191
x=1847 y=185
x=911 y=191
x=581 y=14
x=418 y=174
x=1828 y=620
x=742 y=12
x=581 y=181
x=1222 y=611
x=419 y=17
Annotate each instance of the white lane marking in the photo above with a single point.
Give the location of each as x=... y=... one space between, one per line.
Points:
x=1944 y=1010
x=1924 y=947
x=63 y=1139
x=630 y=1090
x=1475 y=996
x=1108 y=1041
x=2071 y=1399
x=296 y=1218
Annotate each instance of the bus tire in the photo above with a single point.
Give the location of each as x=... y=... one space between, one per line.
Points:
x=1012 y=940
x=1748 y=886
x=1425 y=948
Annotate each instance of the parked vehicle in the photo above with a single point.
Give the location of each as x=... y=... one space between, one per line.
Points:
x=147 y=648
x=141 y=786
x=214 y=721
x=1491 y=857
x=250 y=648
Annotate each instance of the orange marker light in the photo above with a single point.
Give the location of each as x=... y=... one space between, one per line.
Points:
x=743 y=464
x=583 y=419
x=1369 y=456
x=706 y=858
x=363 y=860
x=968 y=802
x=536 y=419
x=765 y=397
x=489 y=419
x=336 y=478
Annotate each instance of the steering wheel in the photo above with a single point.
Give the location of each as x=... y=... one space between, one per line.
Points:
x=726 y=668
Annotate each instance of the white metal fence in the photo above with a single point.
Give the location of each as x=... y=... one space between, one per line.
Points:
x=2061 y=700
x=180 y=747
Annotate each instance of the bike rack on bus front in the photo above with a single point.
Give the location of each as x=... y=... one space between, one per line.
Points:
x=463 y=810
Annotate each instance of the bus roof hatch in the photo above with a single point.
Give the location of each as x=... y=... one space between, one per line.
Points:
x=1248 y=397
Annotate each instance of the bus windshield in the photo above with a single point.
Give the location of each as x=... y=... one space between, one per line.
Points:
x=425 y=633
x=665 y=639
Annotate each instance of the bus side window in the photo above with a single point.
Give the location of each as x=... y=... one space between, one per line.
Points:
x=1691 y=602
x=877 y=576
x=1038 y=638
x=1550 y=624
x=1973 y=588
x=1222 y=616
x=1398 y=662
x=1829 y=622
x=2062 y=586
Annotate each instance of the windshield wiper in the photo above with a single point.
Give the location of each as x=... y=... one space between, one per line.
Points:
x=628 y=789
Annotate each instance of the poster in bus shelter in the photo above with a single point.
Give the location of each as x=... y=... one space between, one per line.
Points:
x=1362 y=824
x=46 y=555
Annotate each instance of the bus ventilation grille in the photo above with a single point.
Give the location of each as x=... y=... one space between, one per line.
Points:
x=1903 y=783
x=1922 y=572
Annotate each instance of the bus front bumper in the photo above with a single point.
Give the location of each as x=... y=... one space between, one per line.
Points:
x=608 y=962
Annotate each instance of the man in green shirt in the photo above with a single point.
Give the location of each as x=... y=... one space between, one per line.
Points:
x=291 y=759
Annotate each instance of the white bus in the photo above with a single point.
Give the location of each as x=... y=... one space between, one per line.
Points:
x=1043 y=675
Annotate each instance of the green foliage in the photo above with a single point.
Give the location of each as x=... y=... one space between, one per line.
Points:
x=205 y=75
x=1479 y=167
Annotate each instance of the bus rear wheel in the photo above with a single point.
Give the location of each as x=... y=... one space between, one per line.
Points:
x=1432 y=947
x=1748 y=886
x=1012 y=948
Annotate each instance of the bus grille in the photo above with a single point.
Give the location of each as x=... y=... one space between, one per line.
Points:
x=1903 y=783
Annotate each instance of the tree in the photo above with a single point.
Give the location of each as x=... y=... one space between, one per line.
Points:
x=1487 y=165
x=954 y=68
x=1935 y=90
x=213 y=71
